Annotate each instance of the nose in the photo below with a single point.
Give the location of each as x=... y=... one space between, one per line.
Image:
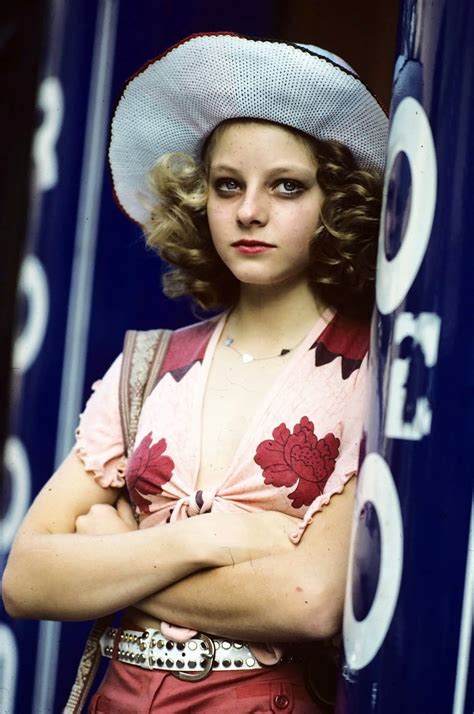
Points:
x=252 y=209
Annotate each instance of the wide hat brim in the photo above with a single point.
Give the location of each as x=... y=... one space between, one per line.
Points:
x=176 y=100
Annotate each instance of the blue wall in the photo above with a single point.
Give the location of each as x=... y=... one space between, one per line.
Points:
x=409 y=606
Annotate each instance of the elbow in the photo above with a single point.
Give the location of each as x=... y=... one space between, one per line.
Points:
x=20 y=602
x=13 y=600
x=320 y=617
x=325 y=625
x=18 y=590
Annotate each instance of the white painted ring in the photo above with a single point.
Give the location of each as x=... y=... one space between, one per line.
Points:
x=33 y=284
x=410 y=133
x=363 y=639
x=18 y=470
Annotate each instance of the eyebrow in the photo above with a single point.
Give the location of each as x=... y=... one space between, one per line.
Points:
x=223 y=167
x=274 y=170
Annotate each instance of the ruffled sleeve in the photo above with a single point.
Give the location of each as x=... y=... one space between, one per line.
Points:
x=99 y=441
x=348 y=460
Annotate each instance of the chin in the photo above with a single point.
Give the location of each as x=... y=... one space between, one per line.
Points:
x=257 y=281
x=259 y=275
x=269 y=282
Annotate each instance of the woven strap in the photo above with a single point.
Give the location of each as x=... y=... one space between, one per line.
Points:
x=143 y=356
x=88 y=667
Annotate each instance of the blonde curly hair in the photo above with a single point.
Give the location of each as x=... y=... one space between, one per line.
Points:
x=342 y=252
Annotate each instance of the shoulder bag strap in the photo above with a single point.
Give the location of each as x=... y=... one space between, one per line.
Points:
x=143 y=357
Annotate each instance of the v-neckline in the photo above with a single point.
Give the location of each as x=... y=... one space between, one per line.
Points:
x=321 y=323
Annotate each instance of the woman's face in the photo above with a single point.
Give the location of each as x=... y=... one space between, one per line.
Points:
x=264 y=203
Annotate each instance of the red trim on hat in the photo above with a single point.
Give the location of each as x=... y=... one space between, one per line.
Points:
x=173 y=47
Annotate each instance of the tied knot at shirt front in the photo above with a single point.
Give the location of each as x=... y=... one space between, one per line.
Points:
x=199 y=502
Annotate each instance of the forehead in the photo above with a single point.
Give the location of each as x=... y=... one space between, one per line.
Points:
x=241 y=135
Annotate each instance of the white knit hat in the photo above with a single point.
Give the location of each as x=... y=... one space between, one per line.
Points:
x=176 y=100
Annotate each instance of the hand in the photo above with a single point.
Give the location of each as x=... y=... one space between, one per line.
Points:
x=103 y=519
x=236 y=537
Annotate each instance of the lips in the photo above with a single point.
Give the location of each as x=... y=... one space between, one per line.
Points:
x=252 y=247
x=251 y=244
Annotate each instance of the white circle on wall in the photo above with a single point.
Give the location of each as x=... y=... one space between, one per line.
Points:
x=33 y=284
x=18 y=472
x=410 y=133
x=363 y=638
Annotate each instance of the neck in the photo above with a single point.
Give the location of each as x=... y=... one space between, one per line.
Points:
x=269 y=318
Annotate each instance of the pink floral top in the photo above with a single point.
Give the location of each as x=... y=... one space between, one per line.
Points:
x=301 y=447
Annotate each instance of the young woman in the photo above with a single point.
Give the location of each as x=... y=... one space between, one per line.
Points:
x=254 y=167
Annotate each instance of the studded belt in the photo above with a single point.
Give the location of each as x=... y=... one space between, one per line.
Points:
x=190 y=661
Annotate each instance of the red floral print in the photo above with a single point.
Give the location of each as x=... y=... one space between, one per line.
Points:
x=298 y=457
x=147 y=471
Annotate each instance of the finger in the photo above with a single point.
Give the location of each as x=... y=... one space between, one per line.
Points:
x=125 y=511
x=176 y=633
x=78 y=523
x=101 y=509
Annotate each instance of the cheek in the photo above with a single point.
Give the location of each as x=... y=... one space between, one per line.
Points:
x=216 y=216
x=302 y=226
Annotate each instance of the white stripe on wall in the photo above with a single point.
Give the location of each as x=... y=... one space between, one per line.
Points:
x=80 y=297
x=467 y=622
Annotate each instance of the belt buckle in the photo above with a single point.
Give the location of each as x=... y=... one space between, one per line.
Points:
x=197 y=676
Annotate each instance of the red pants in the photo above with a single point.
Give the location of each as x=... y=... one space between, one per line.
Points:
x=127 y=689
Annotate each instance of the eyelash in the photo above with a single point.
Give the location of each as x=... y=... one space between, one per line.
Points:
x=298 y=187
x=220 y=187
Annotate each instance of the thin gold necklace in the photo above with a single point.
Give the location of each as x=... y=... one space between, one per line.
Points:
x=246 y=357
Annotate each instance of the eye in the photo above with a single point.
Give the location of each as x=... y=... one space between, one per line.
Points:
x=289 y=187
x=226 y=185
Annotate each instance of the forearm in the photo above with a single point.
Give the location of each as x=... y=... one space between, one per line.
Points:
x=74 y=577
x=288 y=595
x=279 y=598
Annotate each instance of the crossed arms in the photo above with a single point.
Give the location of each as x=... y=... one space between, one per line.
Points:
x=78 y=557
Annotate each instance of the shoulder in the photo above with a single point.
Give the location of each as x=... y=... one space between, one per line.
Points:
x=187 y=346
x=342 y=338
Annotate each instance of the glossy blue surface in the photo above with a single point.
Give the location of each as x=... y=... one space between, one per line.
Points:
x=366 y=576
x=418 y=667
